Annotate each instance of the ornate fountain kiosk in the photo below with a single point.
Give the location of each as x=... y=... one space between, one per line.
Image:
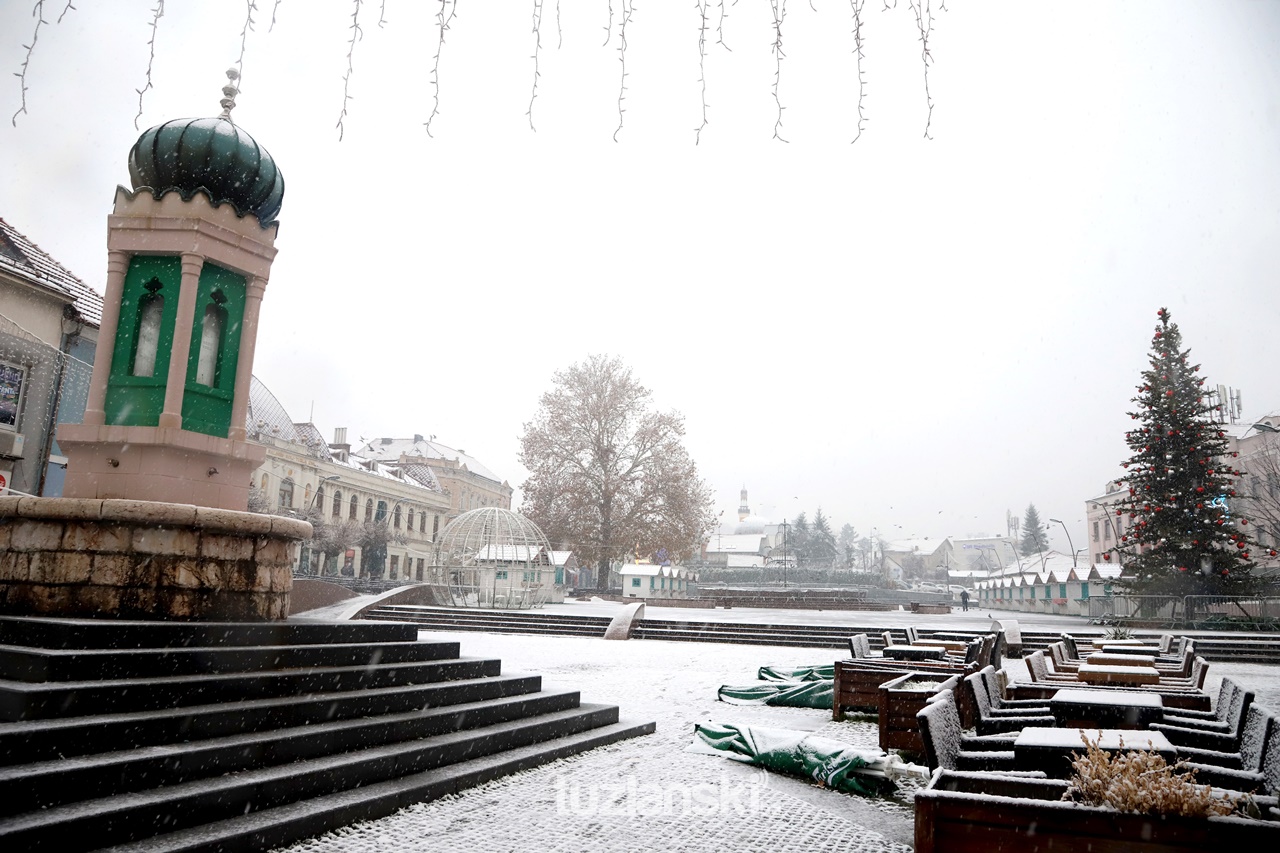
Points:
x=154 y=521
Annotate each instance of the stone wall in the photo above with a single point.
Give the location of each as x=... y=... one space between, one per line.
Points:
x=144 y=560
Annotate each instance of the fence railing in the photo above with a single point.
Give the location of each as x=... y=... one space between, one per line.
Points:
x=1203 y=611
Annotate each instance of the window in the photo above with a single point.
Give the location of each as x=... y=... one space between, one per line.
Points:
x=337 y=504
x=147 y=337
x=1062 y=590
x=1084 y=591
x=381 y=514
x=395 y=566
x=409 y=523
x=286 y=493
x=1095 y=531
x=500 y=575
x=435 y=527
x=420 y=568
x=1106 y=532
x=211 y=328
x=422 y=522
x=395 y=517
x=319 y=500
x=306 y=496
x=12 y=380
x=368 y=510
x=560 y=578
x=354 y=505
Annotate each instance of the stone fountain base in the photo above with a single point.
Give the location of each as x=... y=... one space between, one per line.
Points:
x=130 y=559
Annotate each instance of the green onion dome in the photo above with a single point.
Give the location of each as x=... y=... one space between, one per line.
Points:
x=210 y=155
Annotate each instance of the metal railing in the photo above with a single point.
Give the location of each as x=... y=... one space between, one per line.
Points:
x=1192 y=611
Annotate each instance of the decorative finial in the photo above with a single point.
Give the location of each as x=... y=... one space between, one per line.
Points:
x=229 y=93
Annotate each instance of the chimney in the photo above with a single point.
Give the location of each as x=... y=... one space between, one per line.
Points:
x=417 y=438
x=340 y=435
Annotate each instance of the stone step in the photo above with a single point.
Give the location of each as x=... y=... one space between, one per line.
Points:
x=25 y=787
x=40 y=740
x=133 y=816
x=23 y=663
x=26 y=701
x=124 y=634
x=281 y=825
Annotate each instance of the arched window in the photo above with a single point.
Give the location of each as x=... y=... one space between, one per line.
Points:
x=263 y=487
x=422 y=522
x=381 y=514
x=409 y=523
x=368 y=510
x=319 y=504
x=355 y=503
x=337 y=504
x=211 y=332
x=395 y=517
x=286 y=493
x=306 y=496
x=147 y=335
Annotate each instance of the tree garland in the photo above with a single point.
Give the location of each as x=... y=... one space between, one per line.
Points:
x=1183 y=536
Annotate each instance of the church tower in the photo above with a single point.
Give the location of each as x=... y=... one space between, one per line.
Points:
x=743 y=509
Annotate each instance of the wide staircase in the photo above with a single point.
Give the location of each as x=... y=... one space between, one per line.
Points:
x=222 y=736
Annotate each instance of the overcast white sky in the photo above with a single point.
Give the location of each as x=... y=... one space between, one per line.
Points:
x=915 y=334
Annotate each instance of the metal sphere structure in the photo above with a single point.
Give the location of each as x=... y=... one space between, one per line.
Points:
x=494 y=558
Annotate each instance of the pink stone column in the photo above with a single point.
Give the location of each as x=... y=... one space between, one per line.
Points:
x=244 y=364
x=182 y=330
x=95 y=408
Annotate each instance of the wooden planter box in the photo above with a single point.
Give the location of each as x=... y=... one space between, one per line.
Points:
x=984 y=812
x=917 y=607
x=857 y=685
x=900 y=699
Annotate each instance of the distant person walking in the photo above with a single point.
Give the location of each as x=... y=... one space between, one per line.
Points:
x=964 y=599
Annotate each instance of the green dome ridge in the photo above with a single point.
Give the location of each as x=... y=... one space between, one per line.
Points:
x=210 y=155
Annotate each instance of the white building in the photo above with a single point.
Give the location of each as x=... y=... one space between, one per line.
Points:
x=302 y=474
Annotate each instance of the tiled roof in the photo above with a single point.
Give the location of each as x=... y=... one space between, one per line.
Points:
x=391 y=449
x=423 y=476
x=24 y=259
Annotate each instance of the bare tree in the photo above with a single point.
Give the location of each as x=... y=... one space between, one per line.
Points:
x=607 y=473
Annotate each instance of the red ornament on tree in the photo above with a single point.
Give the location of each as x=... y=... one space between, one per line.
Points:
x=1107 y=557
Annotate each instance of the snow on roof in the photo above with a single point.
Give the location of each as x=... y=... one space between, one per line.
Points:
x=750 y=543
x=508 y=554
x=266 y=416
x=559 y=558
x=653 y=570
x=423 y=476
x=392 y=449
x=923 y=547
x=24 y=259
x=744 y=561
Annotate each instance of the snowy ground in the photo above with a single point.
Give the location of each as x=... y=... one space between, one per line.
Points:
x=736 y=807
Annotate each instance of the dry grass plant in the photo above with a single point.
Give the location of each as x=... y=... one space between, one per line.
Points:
x=1141 y=781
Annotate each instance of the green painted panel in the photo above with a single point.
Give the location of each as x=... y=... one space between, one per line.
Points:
x=138 y=400
x=210 y=389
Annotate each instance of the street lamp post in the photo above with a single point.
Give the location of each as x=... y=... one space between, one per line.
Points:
x=1070 y=544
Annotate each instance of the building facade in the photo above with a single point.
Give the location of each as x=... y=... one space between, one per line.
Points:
x=49 y=322
x=468 y=482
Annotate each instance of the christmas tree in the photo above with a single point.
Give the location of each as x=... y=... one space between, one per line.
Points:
x=1034 y=538
x=1184 y=537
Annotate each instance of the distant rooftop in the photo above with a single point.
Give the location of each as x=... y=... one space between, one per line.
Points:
x=24 y=259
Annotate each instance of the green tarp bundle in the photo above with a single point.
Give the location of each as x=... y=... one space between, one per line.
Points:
x=791 y=694
x=829 y=762
x=805 y=673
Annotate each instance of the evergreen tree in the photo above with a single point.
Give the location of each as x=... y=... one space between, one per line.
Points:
x=1034 y=538
x=822 y=542
x=848 y=544
x=798 y=540
x=1185 y=537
